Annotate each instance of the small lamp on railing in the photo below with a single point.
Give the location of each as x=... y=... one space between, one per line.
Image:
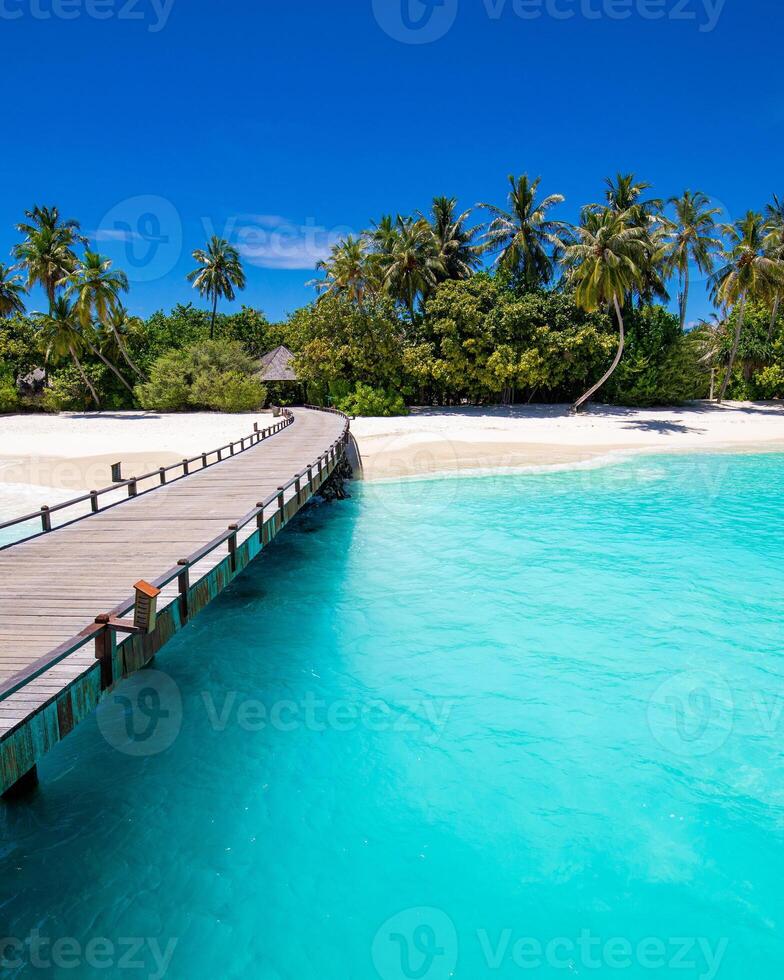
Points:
x=145 y=611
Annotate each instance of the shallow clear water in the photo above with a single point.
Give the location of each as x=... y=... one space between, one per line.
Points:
x=496 y=727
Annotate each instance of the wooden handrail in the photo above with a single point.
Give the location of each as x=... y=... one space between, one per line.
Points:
x=96 y=631
x=45 y=513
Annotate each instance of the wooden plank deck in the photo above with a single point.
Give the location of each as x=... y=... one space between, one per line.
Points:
x=53 y=586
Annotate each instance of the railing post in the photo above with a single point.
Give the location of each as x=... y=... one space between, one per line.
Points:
x=162 y=474
x=231 y=449
x=132 y=488
x=220 y=455
x=310 y=478
x=94 y=501
x=46 y=519
x=184 y=584
x=186 y=469
x=233 y=547
x=298 y=490
x=260 y=518
x=281 y=506
x=204 y=461
x=104 y=649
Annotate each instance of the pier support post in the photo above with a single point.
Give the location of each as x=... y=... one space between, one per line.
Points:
x=23 y=787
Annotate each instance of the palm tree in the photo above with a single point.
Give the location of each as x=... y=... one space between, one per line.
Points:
x=604 y=265
x=623 y=193
x=11 y=291
x=455 y=245
x=96 y=289
x=774 y=247
x=62 y=337
x=709 y=335
x=47 y=252
x=346 y=271
x=119 y=324
x=692 y=241
x=220 y=272
x=748 y=273
x=524 y=235
x=410 y=265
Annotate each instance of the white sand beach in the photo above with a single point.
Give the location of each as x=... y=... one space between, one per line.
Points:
x=74 y=452
x=433 y=441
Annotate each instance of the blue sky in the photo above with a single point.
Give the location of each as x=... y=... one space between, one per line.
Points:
x=284 y=125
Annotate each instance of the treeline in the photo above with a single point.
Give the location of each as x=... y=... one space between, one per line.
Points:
x=426 y=309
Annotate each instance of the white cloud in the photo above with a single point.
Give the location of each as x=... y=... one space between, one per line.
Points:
x=117 y=235
x=272 y=242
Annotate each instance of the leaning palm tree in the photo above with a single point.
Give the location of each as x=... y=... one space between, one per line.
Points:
x=748 y=273
x=411 y=268
x=774 y=247
x=524 y=236
x=62 y=337
x=346 y=271
x=47 y=252
x=11 y=291
x=457 y=250
x=693 y=241
x=604 y=264
x=220 y=272
x=96 y=289
x=116 y=330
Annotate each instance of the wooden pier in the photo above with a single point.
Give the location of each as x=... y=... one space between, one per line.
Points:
x=64 y=641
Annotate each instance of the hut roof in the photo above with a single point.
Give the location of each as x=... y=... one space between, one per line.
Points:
x=277 y=365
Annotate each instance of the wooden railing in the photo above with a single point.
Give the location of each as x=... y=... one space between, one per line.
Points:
x=202 y=461
x=99 y=631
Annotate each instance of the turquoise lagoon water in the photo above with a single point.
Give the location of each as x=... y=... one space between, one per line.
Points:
x=489 y=727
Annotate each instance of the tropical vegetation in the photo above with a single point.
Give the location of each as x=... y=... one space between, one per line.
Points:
x=502 y=303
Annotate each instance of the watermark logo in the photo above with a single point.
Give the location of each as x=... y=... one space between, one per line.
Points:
x=143 y=716
x=146 y=232
x=415 y=21
x=691 y=714
x=417 y=944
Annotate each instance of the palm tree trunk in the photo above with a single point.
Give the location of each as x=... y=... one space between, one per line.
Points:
x=685 y=298
x=774 y=316
x=97 y=353
x=214 y=311
x=124 y=352
x=734 y=352
x=618 y=355
x=80 y=369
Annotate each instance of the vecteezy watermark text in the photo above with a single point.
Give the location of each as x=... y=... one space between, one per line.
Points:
x=138 y=953
x=154 y=13
x=704 y=13
x=424 y=943
x=427 y=21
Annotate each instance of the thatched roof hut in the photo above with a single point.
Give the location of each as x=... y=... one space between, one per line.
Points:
x=278 y=366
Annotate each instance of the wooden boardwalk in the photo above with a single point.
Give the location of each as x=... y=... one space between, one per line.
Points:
x=54 y=586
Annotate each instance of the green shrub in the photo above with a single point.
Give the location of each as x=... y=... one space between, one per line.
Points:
x=770 y=381
x=9 y=397
x=214 y=374
x=660 y=366
x=67 y=392
x=229 y=391
x=365 y=400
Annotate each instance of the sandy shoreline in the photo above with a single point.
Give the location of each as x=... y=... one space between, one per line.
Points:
x=73 y=453
x=471 y=440
x=76 y=452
